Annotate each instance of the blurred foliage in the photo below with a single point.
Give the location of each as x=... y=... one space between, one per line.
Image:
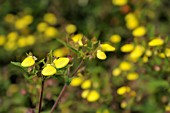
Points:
x=133 y=79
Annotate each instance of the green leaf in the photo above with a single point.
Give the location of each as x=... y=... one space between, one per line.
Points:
x=68 y=80
x=71 y=48
x=16 y=64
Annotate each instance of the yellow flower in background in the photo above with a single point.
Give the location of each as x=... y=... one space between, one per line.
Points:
x=61 y=62
x=145 y=59
x=167 y=52
x=10 y=45
x=167 y=108
x=103 y=111
x=156 y=42
x=162 y=55
x=131 y=21
x=2 y=40
x=10 y=18
x=116 y=72
x=28 y=61
x=85 y=93
x=139 y=31
x=76 y=81
x=50 y=18
x=148 y=53
x=70 y=28
x=93 y=96
x=119 y=2
x=49 y=70
x=22 y=42
x=125 y=66
x=123 y=104
x=12 y=36
x=78 y=39
x=132 y=76
x=30 y=40
x=23 y=22
x=107 y=47
x=137 y=52
x=101 y=55
x=123 y=90
x=115 y=38
x=86 y=84
x=61 y=52
x=51 y=32
x=41 y=27
x=127 y=48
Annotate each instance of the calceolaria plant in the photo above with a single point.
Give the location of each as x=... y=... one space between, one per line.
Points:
x=51 y=67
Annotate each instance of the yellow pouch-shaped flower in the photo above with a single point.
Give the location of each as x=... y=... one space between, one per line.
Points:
x=107 y=47
x=122 y=90
x=127 y=48
x=93 y=96
x=86 y=84
x=139 y=31
x=49 y=70
x=76 y=81
x=61 y=62
x=101 y=55
x=28 y=61
x=71 y=28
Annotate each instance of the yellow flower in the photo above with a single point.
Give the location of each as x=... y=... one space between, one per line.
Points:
x=131 y=21
x=145 y=59
x=10 y=45
x=51 y=32
x=167 y=108
x=167 y=52
x=125 y=66
x=148 y=53
x=10 y=18
x=61 y=62
x=139 y=31
x=123 y=104
x=162 y=55
x=93 y=96
x=101 y=55
x=132 y=76
x=137 y=52
x=78 y=39
x=119 y=2
x=61 y=52
x=21 y=42
x=50 y=18
x=156 y=42
x=127 y=48
x=30 y=40
x=12 y=36
x=85 y=93
x=116 y=72
x=86 y=84
x=48 y=70
x=107 y=47
x=23 y=22
x=123 y=90
x=76 y=81
x=115 y=38
x=41 y=27
x=2 y=40
x=28 y=61
x=71 y=28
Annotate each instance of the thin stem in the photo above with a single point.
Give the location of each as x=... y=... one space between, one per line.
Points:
x=58 y=99
x=64 y=87
x=41 y=96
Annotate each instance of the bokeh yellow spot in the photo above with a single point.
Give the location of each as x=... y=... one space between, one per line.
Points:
x=123 y=90
x=125 y=66
x=50 y=18
x=93 y=96
x=127 y=48
x=2 y=40
x=51 y=32
x=70 y=28
x=119 y=2
x=115 y=38
x=156 y=42
x=76 y=81
x=41 y=27
x=131 y=21
x=139 y=31
x=116 y=72
x=86 y=84
x=132 y=76
x=61 y=52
